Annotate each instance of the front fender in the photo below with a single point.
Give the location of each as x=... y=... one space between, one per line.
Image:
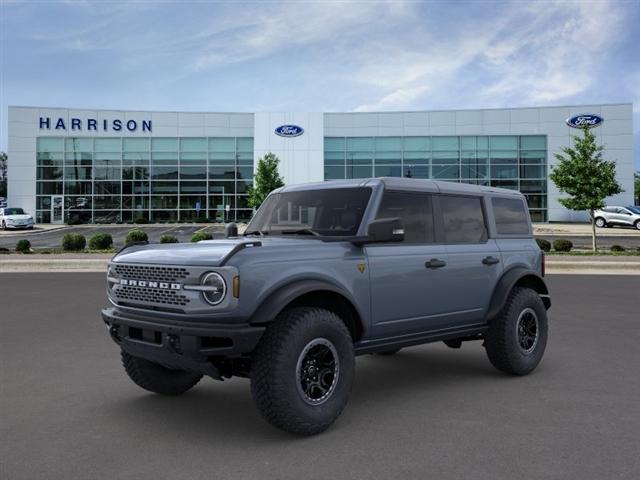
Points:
x=276 y=301
x=516 y=276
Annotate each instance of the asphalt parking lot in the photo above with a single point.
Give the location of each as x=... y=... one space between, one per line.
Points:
x=69 y=412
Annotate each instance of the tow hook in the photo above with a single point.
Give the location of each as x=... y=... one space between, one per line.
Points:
x=114 y=332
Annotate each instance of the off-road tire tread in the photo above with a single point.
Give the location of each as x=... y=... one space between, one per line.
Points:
x=156 y=378
x=500 y=342
x=267 y=388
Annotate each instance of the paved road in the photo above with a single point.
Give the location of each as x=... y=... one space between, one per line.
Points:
x=69 y=412
x=53 y=239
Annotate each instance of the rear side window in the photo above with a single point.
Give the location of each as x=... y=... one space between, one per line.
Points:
x=415 y=213
x=463 y=219
x=511 y=216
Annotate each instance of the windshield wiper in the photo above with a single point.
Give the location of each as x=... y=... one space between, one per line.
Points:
x=256 y=232
x=300 y=231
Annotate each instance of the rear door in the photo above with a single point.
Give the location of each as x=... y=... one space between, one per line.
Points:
x=408 y=289
x=474 y=261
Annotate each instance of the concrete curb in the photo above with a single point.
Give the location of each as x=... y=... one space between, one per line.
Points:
x=54 y=265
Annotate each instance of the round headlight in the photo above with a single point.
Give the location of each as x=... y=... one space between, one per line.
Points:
x=215 y=290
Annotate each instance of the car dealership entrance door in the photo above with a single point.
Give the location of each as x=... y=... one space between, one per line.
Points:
x=57 y=209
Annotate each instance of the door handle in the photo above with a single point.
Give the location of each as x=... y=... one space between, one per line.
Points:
x=435 y=263
x=490 y=260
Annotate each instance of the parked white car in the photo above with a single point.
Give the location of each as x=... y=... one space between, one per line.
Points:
x=15 y=218
x=625 y=216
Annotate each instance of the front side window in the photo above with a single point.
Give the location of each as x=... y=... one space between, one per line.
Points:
x=463 y=219
x=415 y=213
x=511 y=217
x=324 y=212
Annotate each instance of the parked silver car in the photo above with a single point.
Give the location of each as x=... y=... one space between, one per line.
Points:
x=611 y=216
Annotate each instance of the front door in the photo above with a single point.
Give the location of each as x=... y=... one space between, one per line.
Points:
x=408 y=287
x=57 y=209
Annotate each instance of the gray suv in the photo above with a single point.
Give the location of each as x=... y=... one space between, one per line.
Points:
x=325 y=272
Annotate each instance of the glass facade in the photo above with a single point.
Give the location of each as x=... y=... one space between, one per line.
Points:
x=111 y=180
x=517 y=162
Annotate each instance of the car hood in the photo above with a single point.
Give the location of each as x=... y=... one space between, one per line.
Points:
x=17 y=217
x=206 y=253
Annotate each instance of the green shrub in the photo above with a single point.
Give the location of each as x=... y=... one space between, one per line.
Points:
x=562 y=245
x=136 y=235
x=73 y=242
x=202 y=220
x=100 y=241
x=168 y=239
x=74 y=220
x=544 y=245
x=23 y=246
x=141 y=220
x=201 y=236
x=617 y=248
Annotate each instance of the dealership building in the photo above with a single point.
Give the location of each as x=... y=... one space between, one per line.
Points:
x=108 y=166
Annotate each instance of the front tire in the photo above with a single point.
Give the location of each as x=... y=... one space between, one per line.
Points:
x=4 y=225
x=600 y=222
x=302 y=370
x=156 y=378
x=517 y=337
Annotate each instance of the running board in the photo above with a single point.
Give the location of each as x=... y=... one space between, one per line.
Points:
x=383 y=344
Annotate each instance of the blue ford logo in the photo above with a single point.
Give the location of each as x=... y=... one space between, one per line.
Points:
x=289 y=131
x=583 y=120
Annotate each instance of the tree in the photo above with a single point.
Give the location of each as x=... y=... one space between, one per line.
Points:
x=265 y=180
x=585 y=176
x=636 y=187
x=3 y=174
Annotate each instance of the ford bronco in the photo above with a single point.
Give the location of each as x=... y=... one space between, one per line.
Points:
x=325 y=272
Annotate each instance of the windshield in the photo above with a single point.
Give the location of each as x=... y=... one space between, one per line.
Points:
x=13 y=211
x=634 y=209
x=326 y=212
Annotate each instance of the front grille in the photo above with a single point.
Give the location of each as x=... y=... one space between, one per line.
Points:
x=159 y=274
x=159 y=296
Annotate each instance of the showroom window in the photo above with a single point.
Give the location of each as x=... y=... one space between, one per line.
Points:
x=158 y=179
x=517 y=162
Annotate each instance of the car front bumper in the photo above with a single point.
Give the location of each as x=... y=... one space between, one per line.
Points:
x=181 y=345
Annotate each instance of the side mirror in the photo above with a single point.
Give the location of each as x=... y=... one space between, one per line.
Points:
x=230 y=230
x=385 y=230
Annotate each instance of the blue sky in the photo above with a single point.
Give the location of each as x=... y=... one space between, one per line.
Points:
x=318 y=55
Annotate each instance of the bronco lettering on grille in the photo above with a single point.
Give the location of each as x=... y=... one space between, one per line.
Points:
x=149 y=284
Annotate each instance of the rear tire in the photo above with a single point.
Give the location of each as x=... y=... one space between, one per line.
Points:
x=637 y=224
x=4 y=225
x=156 y=378
x=517 y=337
x=600 y=222
x=302 y=370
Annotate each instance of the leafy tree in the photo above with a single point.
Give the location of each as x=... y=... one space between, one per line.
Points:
x=585 y=176
x=265 y=180
x=3 y=174
x=636 y=187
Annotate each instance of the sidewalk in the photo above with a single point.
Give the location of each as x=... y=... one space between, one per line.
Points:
x=581 y=229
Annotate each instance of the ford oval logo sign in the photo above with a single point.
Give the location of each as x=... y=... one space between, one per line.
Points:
x=289 y=131
x=583 y=120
